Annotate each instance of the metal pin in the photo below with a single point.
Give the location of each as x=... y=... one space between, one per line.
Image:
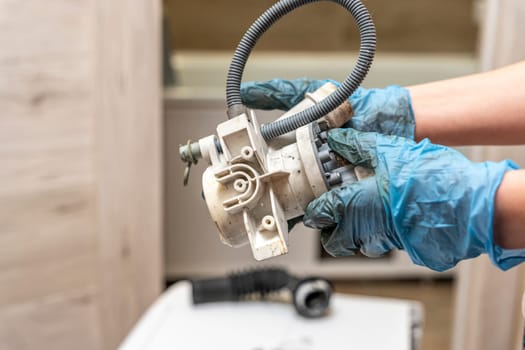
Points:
x=187 y=173
x=190 y=154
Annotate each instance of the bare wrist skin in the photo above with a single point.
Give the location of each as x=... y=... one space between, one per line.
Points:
x=509 y=211
x=481 y=109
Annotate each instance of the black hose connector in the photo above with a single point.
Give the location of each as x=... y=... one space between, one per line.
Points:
x=261 y=25
x=311 y=296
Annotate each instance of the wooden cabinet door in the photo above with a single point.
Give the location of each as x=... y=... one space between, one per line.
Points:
x=80 y=165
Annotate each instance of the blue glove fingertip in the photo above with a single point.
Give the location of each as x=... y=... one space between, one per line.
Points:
x=277 y=93
x=387 y=111
x=359 y=148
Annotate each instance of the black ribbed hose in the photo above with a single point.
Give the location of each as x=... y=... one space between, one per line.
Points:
x=311 y=295
x=238 y=285
x=261 y=25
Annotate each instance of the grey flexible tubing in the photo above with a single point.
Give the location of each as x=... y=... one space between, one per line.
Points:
x=261 y=25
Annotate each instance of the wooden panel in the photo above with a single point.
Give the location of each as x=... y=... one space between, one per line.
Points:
x=46 y=179
x=47 y=243
x=80 y=171
x=128 y=159
x=63 y=321
x=47 y=240
x=46 y=125
x=33 y=29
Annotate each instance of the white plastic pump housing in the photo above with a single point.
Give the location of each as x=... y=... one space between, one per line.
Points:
x=252 y=188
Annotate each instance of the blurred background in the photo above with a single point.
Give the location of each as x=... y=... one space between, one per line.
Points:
x=418 y=41
x=96 y=97
x=405 y=26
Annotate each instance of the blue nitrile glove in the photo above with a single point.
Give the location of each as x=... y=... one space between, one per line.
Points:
x=387 y=111
x=427 y=199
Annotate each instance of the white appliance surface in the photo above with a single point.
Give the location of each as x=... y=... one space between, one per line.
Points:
x=354 y=322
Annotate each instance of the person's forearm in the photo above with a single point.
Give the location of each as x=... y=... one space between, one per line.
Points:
x=509 y=211
x=482 y=109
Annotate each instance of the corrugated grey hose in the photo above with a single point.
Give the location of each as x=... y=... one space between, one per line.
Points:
x=262 y=24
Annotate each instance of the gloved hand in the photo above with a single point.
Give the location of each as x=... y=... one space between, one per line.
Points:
x=427 y=199
x=387 y=111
